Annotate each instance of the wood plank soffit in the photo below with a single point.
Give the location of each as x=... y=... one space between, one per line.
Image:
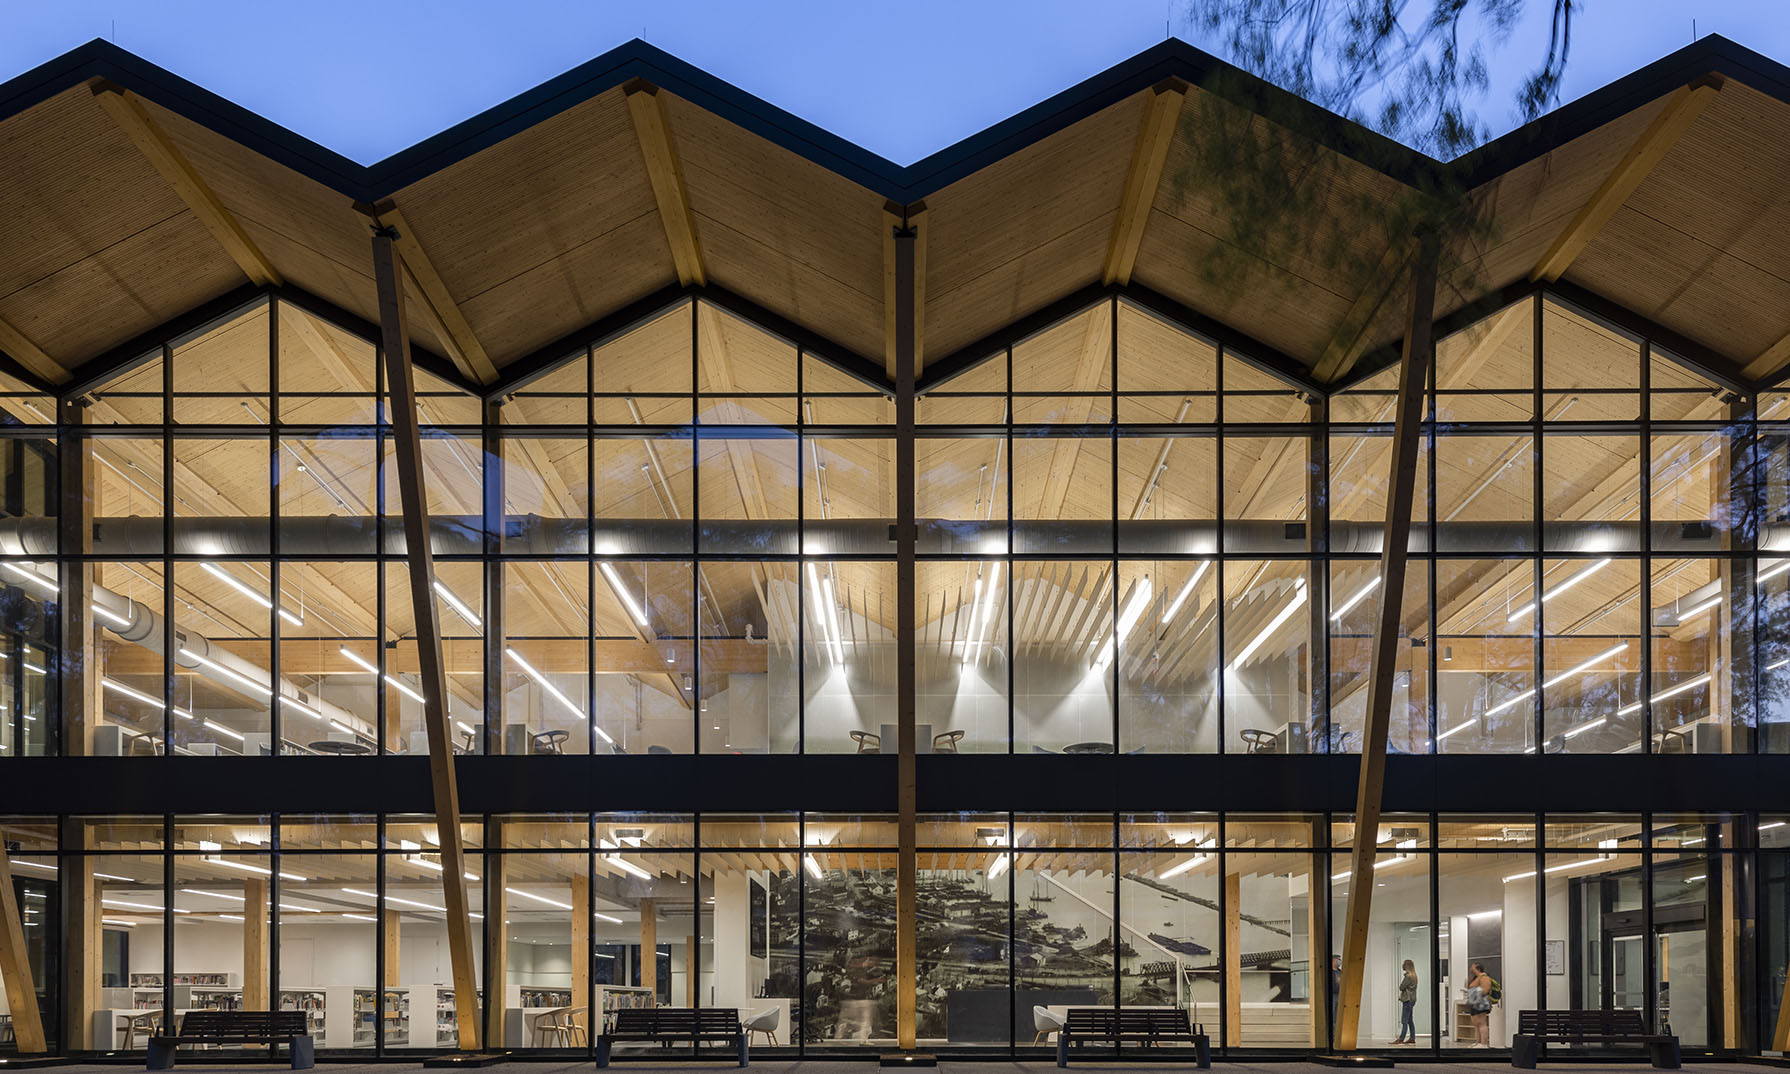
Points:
x=1350 y=338
x=128 y=112
x=1680 y=111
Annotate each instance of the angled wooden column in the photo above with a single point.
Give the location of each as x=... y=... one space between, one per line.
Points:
x=1396 y=539
x=408 y=450
x=906 y=873
x=15 y=968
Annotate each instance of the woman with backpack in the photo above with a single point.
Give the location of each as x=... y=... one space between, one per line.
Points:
x=1407 y=1005
x=1479 y=1004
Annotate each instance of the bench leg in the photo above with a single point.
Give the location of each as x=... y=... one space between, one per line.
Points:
x=304 y=1055
x=161 y=1056
x=1202 y=1048
x=745 y=1051
x=1523 y=1049
x=602 y=1051
x=1062 y=1049
x=1665 y=1055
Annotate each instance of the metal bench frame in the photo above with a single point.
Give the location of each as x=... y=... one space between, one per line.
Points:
x=273 y=1028
x=1538 y=1028
x=1144 y=1025
x=667 y=1025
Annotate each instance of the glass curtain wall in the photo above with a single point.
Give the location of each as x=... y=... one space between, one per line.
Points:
x=789 y=919
x=674 y=540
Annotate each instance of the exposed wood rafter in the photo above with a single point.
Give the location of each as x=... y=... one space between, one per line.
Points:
x=653 y=131
x=1769 y=362
x=1649 y=149
x=451 y=326
x=19 y=347
x=1154 y=136
x=127 y=110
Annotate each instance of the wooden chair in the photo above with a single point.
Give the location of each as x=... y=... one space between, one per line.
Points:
x=947 y=742
x=1260 y=741
x=868 y=741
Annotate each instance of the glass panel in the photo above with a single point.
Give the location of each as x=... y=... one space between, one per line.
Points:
x=546 y=495
x=849 y=933
x=748 y=494
x=1485 y=493
x=1264 y=488
x=848 y=657
x=1251 y=395
x=1487 y=916
x=327 y=375
x=1485 y=658
x=644 y=492
x=1398 y=933
x=1356 y=595
x=1165 y=373
x=1591 y=656
x=221 y=370
x=1267 y=634
x=644 y=692
x=1062 y=495
x=752 y=930
x=962 y=645
x=327 y=494
x=222 y=621
x=1486 y=372
x=1062 y=684
x=975 y=396
x=1590 y=493
x=546 y=683
x=1168 y=659
x=1279 y=945
x=1165 y=484
x=1065 y=372
x=831 y=397
x=1586 y=364
x=326 y=657
x=750 y=699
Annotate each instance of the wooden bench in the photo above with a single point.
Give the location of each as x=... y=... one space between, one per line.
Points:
x=272 y=1028
x=1536 y=1028
x=668 y=1025
x=1132 y=1025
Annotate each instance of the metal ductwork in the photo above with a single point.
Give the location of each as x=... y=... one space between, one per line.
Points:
x=463 y=535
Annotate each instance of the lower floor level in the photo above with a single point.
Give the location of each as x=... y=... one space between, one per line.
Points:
x=791 y=918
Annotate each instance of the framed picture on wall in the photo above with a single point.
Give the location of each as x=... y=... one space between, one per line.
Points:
x=759 y=935
x=1556 y=958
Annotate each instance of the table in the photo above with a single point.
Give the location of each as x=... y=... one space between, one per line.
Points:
x=1089 y=747
x=339 y=748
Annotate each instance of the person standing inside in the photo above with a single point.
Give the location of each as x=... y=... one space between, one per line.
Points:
x=1479 y=1004
x=1407 y=1005
x=1335 y=993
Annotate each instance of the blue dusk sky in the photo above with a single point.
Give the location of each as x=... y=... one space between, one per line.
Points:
x=369 y=78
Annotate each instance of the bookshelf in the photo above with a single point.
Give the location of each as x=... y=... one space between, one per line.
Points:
x=368 y=1017
x=311 y=1000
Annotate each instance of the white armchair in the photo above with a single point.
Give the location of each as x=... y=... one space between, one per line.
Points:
x=1047 y=1022
x=766 y=1022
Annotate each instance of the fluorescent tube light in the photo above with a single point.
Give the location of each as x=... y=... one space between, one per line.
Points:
x=1459 y=727
x=1550 y=594
x=1690 y=613
x=1558 y=679
x=34 y=578
x=222 y=730
x=1669 y=692
x=1000 y=864
x=460 y=609
x=606 y=917
x=1773 y=571
x=1360 y=595
x=358 y=661
x=229 y=673
x=1584 y=727
x=1280 y=617
x=248 y=591
x=111 y=616
x=832 y=603
x=539 y=898
x=621 y=592
x=1186 y=591
x=115 y=685
x=813 y=867
x=1176 y=870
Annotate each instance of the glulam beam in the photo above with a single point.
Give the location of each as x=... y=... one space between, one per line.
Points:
x=1155 y=133
x=652 y=130
x=128 y=112
x=1680 y=111
x=408 y=452
x=1401 y=486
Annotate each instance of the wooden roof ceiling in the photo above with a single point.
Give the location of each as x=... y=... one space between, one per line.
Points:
x=133 y=197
